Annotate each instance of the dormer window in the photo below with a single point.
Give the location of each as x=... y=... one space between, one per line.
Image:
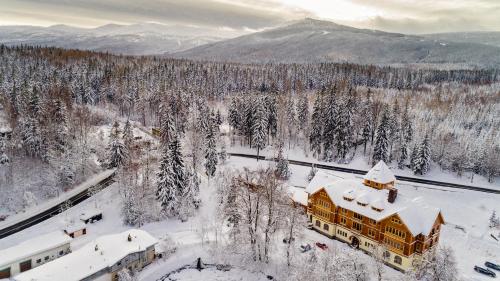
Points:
x=348 y=199
x=376 y=209
x=362 y=204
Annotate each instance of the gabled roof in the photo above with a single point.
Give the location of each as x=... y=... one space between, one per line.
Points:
x=418 y=217
x=380 y=173
x=33 y=247
x=87 y=260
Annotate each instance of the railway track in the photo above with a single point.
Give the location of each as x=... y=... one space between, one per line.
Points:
x=56 y=209
x=362 y=172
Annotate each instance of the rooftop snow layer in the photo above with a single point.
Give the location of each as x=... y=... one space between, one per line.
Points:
x=86 y=261
x=74 y=226
x=33 y=247
x=380 y=173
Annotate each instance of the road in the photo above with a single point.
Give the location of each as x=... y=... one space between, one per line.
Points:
x=362 y=172
x=55 y=209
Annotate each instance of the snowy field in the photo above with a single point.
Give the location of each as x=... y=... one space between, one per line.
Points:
x=468 y=210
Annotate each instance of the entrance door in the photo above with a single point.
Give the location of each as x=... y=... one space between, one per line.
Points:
x=355 y=242
x=25 y=265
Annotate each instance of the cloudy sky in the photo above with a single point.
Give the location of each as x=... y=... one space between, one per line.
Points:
x=408 y=16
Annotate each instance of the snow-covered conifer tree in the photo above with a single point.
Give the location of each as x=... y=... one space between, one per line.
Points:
x=117 y=151
x=4 y=159
x=211 y=158
x=381 y=150
x=422 y=160
x=315 y=136
x=166 y=192
x=259 y=128
x=282 y=169
x=128 y=135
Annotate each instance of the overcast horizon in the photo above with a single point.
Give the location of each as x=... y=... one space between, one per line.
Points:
x=243 y=16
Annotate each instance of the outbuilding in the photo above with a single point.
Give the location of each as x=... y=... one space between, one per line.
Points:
x=76 y=229
x=91 y=215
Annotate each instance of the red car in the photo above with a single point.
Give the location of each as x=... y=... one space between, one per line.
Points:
x=322 y=246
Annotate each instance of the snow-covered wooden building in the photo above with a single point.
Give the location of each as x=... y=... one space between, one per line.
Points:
x=100 y=259
x=369 y=214
x=33 y=253
x=75 y=229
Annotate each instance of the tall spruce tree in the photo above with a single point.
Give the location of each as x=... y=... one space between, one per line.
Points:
x=117 y=151
x=128 y=135
x=315 y=136
x=423 y=158
x=282 y=171
x=211 y=158
x=330 y=124
x=259 y=128
x=166 y=192
x=272 y=118
x=381 y=150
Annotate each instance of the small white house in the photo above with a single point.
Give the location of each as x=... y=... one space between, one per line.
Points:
x=76 y=229
x=32 y=253
x=100 y=259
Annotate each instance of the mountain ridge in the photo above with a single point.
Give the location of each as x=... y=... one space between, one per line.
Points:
x=313 y=40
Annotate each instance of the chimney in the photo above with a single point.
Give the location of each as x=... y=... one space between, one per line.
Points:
x=96 y=248
x=393 y=193
x=129 y=238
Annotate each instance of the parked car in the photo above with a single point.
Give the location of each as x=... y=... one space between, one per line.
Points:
x=3 y=217
x=322 y=246
x=288 y=240
x=484 y=271
x=492 y=265
x=305 y=248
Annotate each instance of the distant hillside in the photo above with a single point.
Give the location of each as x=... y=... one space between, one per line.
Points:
x=486 y=38
x=313 y=41
x=137 y=39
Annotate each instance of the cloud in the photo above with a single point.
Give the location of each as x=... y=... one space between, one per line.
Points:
x=234 y=14
x=406 y=16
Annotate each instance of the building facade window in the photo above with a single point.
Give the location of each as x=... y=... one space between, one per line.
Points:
x=38 y=260
x=326 y=227
x=46 y=258
x=356 y=226
x=343 y=221
x=371 y=232
x=395 y=231
x=358 y=216
x=398 y=260
x=318 y=223
x=395 y=220
x=393 y=244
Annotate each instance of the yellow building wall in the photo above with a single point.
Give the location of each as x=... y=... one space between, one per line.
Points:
x=406 y=262
x=331 y=227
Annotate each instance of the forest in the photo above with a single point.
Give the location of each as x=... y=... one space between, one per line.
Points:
x=414 y=118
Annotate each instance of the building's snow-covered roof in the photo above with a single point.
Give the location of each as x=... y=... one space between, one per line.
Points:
x=323 y=178
x=418 y=217
x=380 y=173
x=87 y=261
x=300 y=196
x=33 y=247
x=74 y=226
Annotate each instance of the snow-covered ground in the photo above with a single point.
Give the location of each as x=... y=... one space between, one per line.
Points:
x=468 y=210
